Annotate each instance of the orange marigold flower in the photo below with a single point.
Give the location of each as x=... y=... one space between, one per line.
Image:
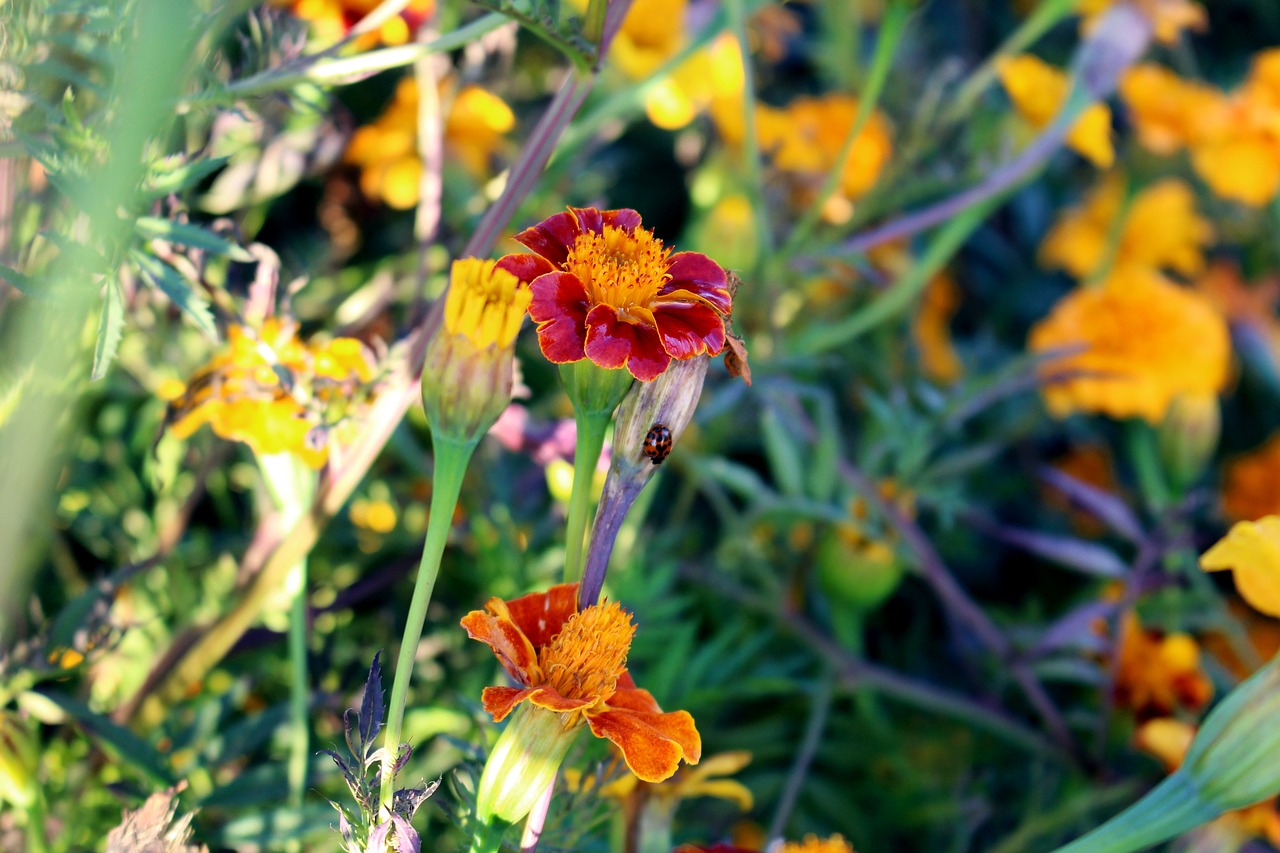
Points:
x=1169 y=112
x=273 y=392
x=1160 y=230
x=332 y=19
x=931 y=330
x=1251 y=549
x=570 y=666
x=814 y=844
x=1159 y=672
x=1168 y=17
x=804 y=139
x=606 y=289
x=1039 y=91
x=1238 y=155
x=1251 y=483
x=1142 y=341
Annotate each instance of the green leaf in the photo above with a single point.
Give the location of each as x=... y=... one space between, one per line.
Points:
x=164 y=180
x=110 y=330
x=180 y=291
x=127 y=747
x=157 y=228
x=23 y=282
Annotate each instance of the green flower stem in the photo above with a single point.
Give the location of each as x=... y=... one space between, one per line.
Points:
x=1168 y=810
x=292 y=487
x=891 y=30
x=451 y=459
x=751 y=140
x=1144 y=455
x=489 y=837
x=37 y=840
x=592 y=427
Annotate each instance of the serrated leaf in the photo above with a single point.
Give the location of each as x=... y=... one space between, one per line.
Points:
x=110 y=330
x=371 y=705
x=127 y=746
x=181 y=292
x=186 y=234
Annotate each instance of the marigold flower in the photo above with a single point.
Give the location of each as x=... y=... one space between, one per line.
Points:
x=606 y=289
x=1039 y=92
x=814 y=844
x=332 y=19
x=1250 y=307
x=1168 y=17
x=805 y=137
x=1168 y=112
x=1251 y=549
x=467 y=373
x=386 y=151
x=1251 y=483
x=1238 y=155
x=273 y=392
x=1157 y=672
x=1145 y=341
x=931 y=330
x=570 y=666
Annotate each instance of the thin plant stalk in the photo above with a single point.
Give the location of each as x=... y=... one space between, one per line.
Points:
x=750 y=138
x=814 y=728
x=891 y=30
x=592 y=427
x=451 y=461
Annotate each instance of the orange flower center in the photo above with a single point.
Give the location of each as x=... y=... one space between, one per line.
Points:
x=585 y=660
x=620 y=268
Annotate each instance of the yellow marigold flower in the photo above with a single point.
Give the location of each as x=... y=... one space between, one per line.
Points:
x=805 y=137
x=386 y=151
x=1251 y=484
x=1158 y=673
x=1168 y=17
x=1239 y=154
x=814 y=844
x=331 y=20
x=1039 y=91
x=1160 y=230
x=1145 y=341
x=1251 y=549
x=467 y=375
x=1169 y=112
x=274 y=392
x=652 y=32
x=931 y=330
x=710 y=79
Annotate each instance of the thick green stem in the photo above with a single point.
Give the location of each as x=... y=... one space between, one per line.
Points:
x=450 y=466
x=37 y=841
x=489 y=837
x=299 y=689
x=592 y=427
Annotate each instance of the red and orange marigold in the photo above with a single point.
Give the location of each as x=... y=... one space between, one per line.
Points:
x=606 y=289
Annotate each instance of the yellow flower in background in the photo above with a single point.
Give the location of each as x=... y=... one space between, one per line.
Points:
x=1141 y=342
x=1238 y=155
x=1251 y=483
x=710 y=778
x=1168 y=112
x=814 y=844
x=272 y=391
x=931 y=330
x=386 y=151
x=1169 y=18
x=1251 y=549
x=1039 y=92
x=1158 y=673
x=805 y=137
x=709 y=80
x=652 y=32
x=1161 y=229
x=332 y=19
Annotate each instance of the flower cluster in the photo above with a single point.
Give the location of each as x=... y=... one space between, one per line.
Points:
x=386 y=151
x=1231 y=136
x=275 y=392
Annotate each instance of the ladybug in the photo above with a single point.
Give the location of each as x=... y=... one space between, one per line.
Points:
x=657 y=443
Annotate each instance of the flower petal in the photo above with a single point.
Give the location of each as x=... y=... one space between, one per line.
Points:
x=552 y=237
x=550 y=698
x=689 y=329
x=541 y=615
x=524 y=267
x=704 y=277
x=510 y=645
x=652 y=744
x=501 y=701
x=559 y=307
x=613 y=343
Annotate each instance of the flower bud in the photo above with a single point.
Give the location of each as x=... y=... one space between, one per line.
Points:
x=522 y=764
x=857 y=572
x=17 y=762
x=1189 y=436
x=468 y=367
